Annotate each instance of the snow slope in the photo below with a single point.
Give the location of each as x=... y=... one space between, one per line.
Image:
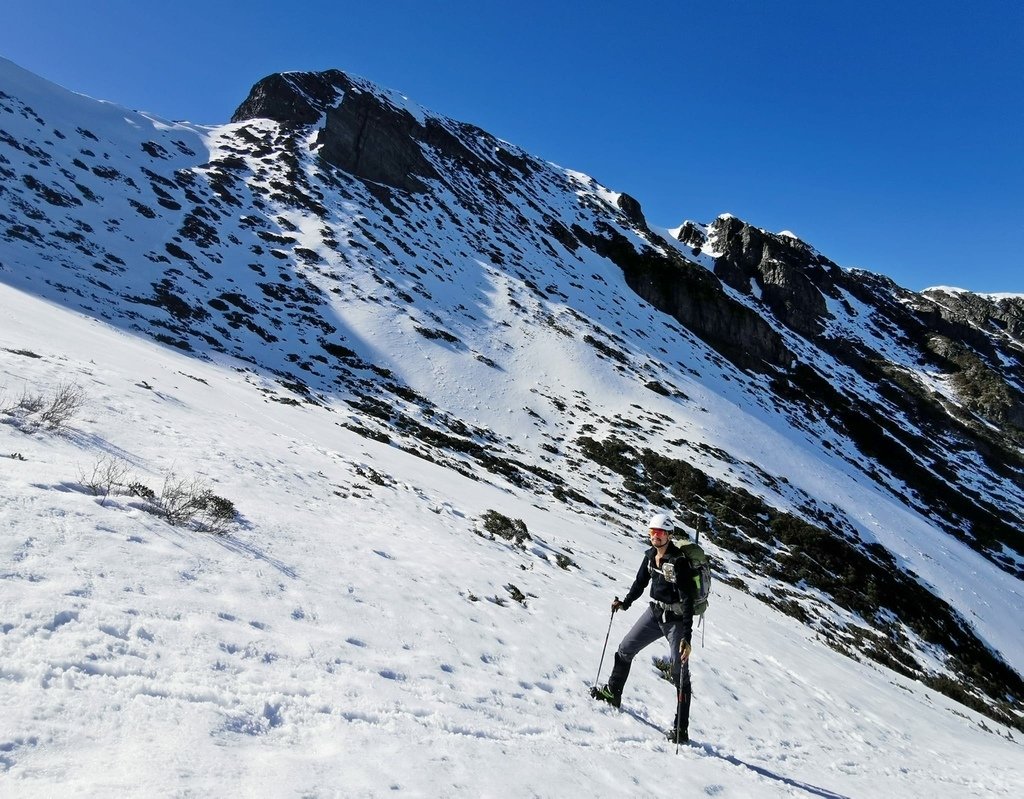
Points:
x=346 y=638
x=353 y=633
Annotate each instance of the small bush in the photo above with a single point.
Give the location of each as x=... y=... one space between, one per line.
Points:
x=29 y=404
x=184 y=501
x=34 y=410
x=501 y=526
x=137 y=489
x=516 y=594
x=179 y=499
x=443 y=335
x=106 y=475
x=216 y=513
x=66 y=403
x=664 y=667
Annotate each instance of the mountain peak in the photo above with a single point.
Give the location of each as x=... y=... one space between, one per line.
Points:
x=298 y=98
x=373 y=133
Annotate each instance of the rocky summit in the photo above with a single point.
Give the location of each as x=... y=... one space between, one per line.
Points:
x=358 y=255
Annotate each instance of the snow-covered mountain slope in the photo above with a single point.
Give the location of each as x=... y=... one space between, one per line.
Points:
x=378 y=323
x=353 y=634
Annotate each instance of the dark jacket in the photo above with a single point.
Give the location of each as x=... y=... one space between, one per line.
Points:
x=663 y=591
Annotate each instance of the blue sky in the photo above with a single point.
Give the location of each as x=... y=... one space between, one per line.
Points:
x=887 y=134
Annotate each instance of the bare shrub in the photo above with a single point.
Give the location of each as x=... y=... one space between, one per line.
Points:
x=29 y=403
x=216 y=513
x=26 y=405
x=180 y=498
x=67 y=401
x=107 y=474
x=34 y=410
x=182 y=501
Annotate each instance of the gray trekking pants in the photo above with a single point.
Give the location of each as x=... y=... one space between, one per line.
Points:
x=649 y=628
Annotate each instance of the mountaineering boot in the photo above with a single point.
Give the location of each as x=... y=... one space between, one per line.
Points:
x=682 y=720
x=606 y=694
x=684 y=737
x=611 y=691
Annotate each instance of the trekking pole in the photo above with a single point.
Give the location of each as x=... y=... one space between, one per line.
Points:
x=605 y=647
x=679 y=705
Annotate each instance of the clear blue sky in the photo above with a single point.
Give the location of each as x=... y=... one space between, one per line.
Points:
x=890 y=135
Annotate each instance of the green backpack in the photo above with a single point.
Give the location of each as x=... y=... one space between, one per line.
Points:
x=701 y=567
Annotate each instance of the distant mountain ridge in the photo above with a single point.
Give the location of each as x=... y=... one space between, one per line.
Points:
x=360 y=254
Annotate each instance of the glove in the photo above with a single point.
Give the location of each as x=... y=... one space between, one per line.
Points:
x=684 y=651
x=618 y=604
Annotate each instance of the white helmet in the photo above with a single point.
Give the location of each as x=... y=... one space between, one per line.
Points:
x=661 y=521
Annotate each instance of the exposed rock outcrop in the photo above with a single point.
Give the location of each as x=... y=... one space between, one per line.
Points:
x=994 y=315
x=295 y=98
x=630 y=206
x=693 y=236
x=694 y=297
x=792 y=278
x=375 y=141
x=363 y=133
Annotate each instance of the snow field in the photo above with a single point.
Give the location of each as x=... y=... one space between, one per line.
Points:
x=329 y=645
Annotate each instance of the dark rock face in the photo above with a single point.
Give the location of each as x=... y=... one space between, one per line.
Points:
x=1010 y=312
x=297 y=98
x=451 y=148
x=691 y=235
x=631 y=208
x=964 y=330
x=363 y=133
x=369 y=137
x=791 y=279
x=375 y=141
x=1000 y=316
x=694 y=297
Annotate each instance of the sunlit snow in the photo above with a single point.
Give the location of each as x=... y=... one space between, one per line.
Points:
x=352 y=633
